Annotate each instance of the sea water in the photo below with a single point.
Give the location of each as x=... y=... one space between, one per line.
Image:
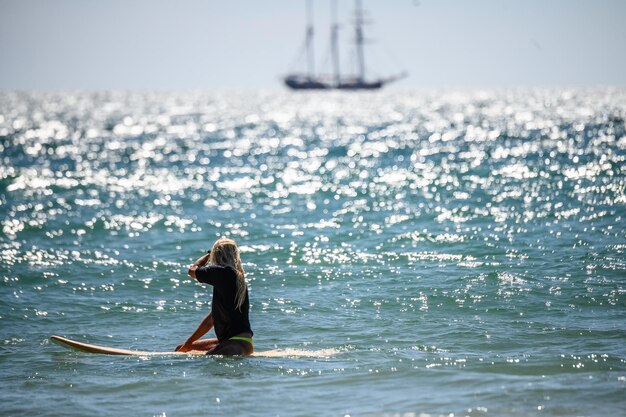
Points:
x=459 y=252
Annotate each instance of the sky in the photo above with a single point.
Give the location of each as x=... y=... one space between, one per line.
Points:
x=247 y=44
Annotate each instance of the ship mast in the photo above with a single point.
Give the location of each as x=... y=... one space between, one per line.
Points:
x=358 y=26
x=334 y=37
x=309 y=40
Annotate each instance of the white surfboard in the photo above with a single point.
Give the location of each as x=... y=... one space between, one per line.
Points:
x=103 y=350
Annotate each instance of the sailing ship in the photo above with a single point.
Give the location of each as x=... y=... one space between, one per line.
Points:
x=310 y=81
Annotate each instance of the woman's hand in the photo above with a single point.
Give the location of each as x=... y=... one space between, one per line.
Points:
x=201 y=261
x=183 y=347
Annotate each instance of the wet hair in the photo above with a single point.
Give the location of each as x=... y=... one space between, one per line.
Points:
x=226 y=253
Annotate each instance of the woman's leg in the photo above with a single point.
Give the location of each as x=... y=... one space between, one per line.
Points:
x=232 y=348
x=203 y=344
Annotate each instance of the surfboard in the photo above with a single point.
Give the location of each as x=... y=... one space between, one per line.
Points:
x=103 y=350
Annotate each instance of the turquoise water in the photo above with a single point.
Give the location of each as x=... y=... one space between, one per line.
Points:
x=462 y=252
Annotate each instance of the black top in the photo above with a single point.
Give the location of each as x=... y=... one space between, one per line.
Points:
x=228 y=321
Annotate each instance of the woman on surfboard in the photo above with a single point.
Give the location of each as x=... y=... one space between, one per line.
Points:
x=221 y=268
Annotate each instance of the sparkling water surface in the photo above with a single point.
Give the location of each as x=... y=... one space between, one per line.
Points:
x=462 y=252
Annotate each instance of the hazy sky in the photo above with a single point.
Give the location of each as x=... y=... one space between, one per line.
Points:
x=205 y=44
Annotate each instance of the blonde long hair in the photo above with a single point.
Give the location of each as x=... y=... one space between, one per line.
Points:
x=226 y=253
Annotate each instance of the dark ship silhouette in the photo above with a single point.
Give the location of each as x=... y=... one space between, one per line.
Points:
x=309 y=81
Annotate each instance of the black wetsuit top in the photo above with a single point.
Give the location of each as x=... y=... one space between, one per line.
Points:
x=228 y=321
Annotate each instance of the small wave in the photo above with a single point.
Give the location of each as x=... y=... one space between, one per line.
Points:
x=297 y=353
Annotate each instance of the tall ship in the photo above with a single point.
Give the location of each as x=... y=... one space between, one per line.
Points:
x=310 y=81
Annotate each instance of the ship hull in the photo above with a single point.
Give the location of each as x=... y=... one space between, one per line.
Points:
x=307 y=85
x=374 y=85
x=312 y=84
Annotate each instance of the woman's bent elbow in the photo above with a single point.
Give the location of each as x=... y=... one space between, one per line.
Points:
x=192 y=271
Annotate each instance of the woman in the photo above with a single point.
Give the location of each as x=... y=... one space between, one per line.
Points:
x=230 y=307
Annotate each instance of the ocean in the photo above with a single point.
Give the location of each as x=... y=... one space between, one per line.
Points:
x=459 y=252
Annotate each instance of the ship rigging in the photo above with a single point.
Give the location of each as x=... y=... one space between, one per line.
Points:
x=358 y=81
